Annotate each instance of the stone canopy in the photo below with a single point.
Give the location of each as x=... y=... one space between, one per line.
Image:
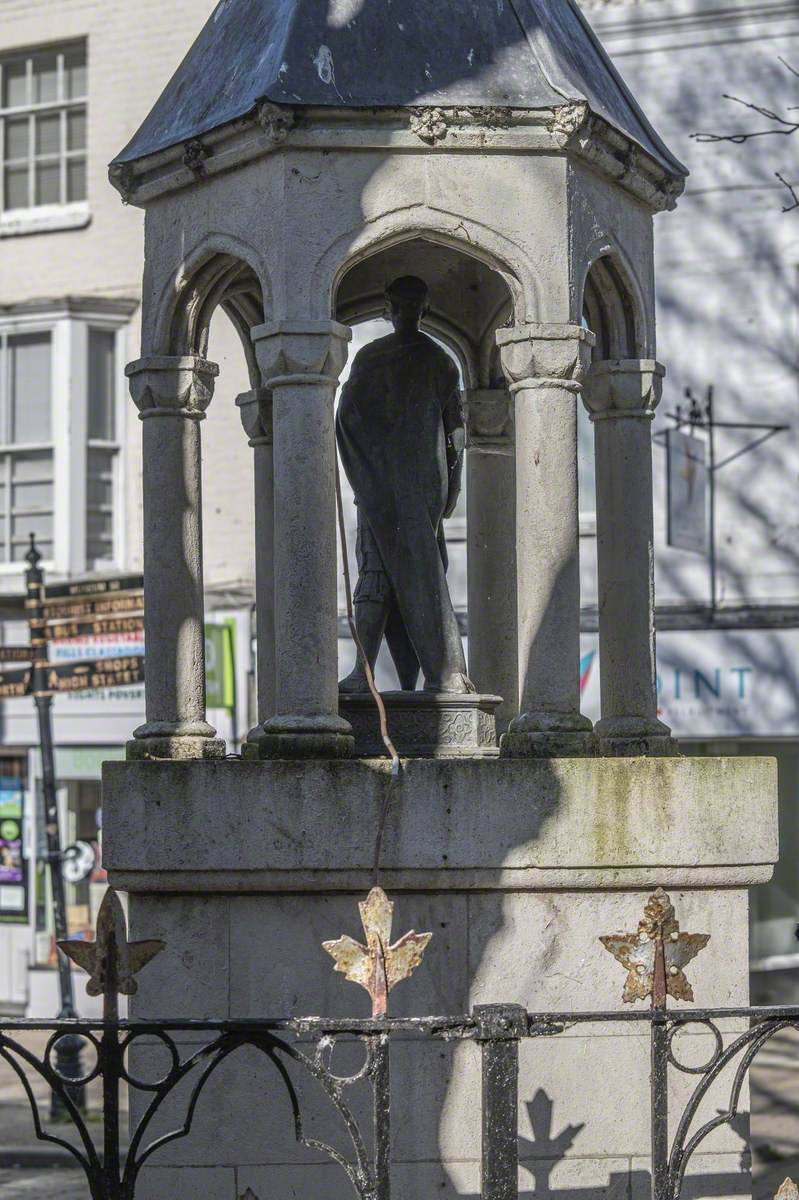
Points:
x=516 y=54
x=306 y=153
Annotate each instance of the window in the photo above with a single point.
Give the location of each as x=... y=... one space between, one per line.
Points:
x=102 y=448
x=62 y=399
x=26 y=448
x=43 y=128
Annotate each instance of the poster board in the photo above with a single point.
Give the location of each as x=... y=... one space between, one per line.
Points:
x=13 y=863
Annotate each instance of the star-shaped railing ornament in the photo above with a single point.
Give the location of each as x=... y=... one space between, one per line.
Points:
x=111 y=960
x=378 y=966
x=655 y=955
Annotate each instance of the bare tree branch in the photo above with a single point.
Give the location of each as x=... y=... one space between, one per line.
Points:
x=788 y=66
x=789 y=126
x=792 y=191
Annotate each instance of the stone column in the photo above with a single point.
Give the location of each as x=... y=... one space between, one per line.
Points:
x=300 y=364
x=491 y=548
x=172 y=395
x=545 y=366
x=255 y=409
x=621 y=396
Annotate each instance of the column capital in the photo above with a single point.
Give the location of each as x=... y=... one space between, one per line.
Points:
x=255 y=410
x=538 y=355
x=300 y=353
x=623 y=387
x=172 y=386
x=489 y=419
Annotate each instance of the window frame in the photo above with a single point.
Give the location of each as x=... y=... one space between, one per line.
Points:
x=8 y=449
x=114 y=446
x=64 y=213
x=69 y=442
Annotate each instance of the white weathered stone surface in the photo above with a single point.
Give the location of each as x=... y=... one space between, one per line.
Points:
x=212 y=1183
x=564 y=823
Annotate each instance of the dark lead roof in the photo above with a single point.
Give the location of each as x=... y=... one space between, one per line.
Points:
x=391 y=53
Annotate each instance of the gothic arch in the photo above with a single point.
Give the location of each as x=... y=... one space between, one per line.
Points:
x=438 y=227
x=220 y=271
x=612 y=304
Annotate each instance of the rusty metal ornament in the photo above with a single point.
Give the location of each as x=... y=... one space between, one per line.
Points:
x=378 y=966
x=656 y=954
x=111 y=960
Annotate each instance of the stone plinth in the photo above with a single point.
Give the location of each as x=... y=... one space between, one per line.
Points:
x=424 y=724
x=517 y=867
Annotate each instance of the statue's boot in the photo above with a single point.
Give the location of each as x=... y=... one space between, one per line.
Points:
x=456 y=683
x=400 y=646
x=370 y=622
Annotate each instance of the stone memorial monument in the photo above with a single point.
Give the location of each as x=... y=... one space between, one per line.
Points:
x=305 y=155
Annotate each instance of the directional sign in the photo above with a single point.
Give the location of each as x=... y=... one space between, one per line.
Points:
x=82 y=589
x=16 y=654
x=14 y=683
x=98 y=673
x=100 y=606
x=94 y=627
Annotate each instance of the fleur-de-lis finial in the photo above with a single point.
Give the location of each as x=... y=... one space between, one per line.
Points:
x=378 y=966
x=33 y=557
x=111 y=960
x=787 y=1190
x=655 y=955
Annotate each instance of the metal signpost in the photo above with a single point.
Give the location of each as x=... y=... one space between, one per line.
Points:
x=65 y=611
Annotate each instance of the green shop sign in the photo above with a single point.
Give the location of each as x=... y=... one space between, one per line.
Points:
x=220 y=666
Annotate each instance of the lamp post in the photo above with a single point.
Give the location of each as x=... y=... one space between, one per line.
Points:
x=68 y=1047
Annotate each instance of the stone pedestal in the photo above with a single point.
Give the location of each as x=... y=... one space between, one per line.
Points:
x=425 y=724
x=517 y=868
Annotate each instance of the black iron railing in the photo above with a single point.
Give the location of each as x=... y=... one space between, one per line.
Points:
x=653 y=956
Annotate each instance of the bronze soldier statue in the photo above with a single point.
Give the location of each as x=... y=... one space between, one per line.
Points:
x=401 y=437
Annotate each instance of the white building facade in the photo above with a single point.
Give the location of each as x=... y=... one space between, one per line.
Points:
x=72 y=89
x=76 y=79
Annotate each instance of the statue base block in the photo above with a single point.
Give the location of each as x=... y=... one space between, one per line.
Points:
x=517 y=866
x=424 y=724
